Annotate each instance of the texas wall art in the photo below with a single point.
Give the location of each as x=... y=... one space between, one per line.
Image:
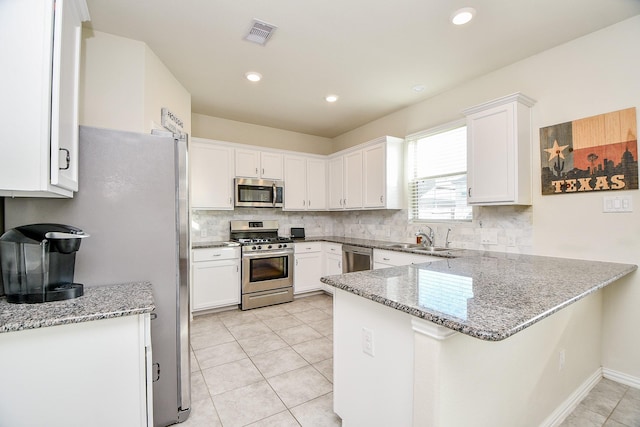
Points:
x=597 y=153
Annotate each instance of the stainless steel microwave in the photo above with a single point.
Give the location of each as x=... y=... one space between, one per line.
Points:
x=258 y=193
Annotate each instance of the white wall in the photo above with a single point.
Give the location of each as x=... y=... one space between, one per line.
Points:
x=111 y=82
x=245 y=133
x=162 y=89
x=592 y=75
x=123 y=85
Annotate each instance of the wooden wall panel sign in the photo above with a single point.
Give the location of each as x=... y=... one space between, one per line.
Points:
x=598 y=153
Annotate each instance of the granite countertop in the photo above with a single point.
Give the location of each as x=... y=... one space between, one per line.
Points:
x=386 y=245
x=99 y=302
x=489 y=295
x=205 y=245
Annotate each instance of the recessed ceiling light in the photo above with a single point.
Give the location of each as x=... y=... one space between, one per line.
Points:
x=252 y=76
x=331 y=98
x=462 y=16
x=419 y=88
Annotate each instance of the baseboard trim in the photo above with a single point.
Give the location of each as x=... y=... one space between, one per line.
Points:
x=621 y=377
x=567 y=407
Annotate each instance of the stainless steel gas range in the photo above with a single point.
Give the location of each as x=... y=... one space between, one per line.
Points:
x=267 y=263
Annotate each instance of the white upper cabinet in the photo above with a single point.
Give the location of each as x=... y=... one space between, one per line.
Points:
x=39 y=103
x=369 y=177
x=382 y=174
x=336 y=185
x=258 y=164
x=353 y=180
x=305 y=183
x=499 y=151
x=317 y=184
x=211 y=175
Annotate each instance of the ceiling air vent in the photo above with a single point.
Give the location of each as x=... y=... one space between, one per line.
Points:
x=260 y=32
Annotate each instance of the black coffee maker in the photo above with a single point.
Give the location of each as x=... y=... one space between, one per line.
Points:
x=38 y=263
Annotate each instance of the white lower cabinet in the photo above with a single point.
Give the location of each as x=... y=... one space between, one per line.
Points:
x=95 y=373
x=332 y=253
x=384 y=259
x=216 y=278
x=308 y=267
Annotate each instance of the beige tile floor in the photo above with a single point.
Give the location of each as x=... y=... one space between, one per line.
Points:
x=608 y=404
x=271 y=366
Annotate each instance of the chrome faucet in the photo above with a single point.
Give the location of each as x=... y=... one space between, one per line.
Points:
x=427 y=238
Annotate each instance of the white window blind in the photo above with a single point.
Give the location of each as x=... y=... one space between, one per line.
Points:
x=437 y=165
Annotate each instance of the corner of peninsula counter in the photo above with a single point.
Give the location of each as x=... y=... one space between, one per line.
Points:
x=472 y=340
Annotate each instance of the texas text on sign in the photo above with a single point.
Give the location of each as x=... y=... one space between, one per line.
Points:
x=598 y=153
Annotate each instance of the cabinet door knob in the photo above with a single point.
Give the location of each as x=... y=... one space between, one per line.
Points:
x=469 y=191
x=303 y=202
x=387 y=259
x=380 y=199
x=67 y=158
x=309 y=203
x=256 y=171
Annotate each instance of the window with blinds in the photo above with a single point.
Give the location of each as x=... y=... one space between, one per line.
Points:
x=437 y=174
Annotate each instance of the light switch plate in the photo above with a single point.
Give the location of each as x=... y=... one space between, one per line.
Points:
x=617 y=204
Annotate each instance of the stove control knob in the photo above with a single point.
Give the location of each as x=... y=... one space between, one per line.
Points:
x=253 y=248
x=259 y=247
x=284 y=246
x=279 y=246
x=269 y=247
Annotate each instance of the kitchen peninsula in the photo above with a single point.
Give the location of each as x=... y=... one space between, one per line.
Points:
x=483 y=339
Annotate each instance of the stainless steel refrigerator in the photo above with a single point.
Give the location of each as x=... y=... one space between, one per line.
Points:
x=133 y=201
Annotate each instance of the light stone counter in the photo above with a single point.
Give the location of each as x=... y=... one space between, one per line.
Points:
x=489 y=296
x=99 y=302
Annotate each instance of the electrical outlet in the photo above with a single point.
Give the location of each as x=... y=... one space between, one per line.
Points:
x=203 y=232
x=367 y=341
x=489 y=237
x=561 y=360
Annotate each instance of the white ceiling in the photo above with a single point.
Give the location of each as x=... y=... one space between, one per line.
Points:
x=369 y=52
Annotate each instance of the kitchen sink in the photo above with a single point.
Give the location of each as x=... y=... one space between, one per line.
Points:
x=419 y=248
x=431 y=249
x=404 y=246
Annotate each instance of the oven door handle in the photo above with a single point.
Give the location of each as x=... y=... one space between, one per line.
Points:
x=266 y=254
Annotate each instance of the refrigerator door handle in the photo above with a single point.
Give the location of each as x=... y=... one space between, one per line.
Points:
x=156 y=372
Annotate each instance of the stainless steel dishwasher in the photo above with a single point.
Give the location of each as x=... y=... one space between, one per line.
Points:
x=355 y=258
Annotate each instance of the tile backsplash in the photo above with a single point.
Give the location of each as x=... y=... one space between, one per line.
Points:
x=511 y=224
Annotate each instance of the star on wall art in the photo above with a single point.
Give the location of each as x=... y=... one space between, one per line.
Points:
x=597 y=153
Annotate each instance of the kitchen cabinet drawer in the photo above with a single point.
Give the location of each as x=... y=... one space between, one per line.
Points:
x=215 y=254
x=393 y=258
x=332 y=248
x=308 y=247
